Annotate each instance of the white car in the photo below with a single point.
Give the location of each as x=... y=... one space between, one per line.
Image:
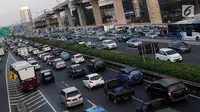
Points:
x=93 y=80
x=82 y=43
x=109 y=44
x=102 y=37
x=70 y=97
x=168 y=55
x=46 y=48
x=35 y=64
x=151 y=35
x=46 y=57
x=78 y=58
x=133 y=43
x=35 y=51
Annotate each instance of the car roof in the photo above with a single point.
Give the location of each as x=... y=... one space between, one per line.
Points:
x=20 y=65
x=43 y=71
x=77 y=54
x=75 y=65
x=69 y=89
x=92 y=75
x=129 y=68
x=107 y=40
x=167 y=81
x=165 y=49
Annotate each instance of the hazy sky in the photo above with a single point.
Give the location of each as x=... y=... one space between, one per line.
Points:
x=10 y=9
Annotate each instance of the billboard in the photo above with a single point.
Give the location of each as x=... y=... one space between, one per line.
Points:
x=18 y=29
x=5 y=31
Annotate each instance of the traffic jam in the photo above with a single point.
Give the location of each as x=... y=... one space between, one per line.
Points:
x=86 y=81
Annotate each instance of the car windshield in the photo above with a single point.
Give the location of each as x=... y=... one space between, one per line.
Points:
x=79 y=56
x=181 y=44
x=78 y=67
x=171 y=52
x=134 y=40
x=73 y=93
x=176 y=87
x=98 y=62
x=30 y=59
x=97 y=77
x=47 y=74
x=110 y=42
x=134 y=72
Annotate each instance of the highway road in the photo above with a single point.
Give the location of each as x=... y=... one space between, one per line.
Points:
x=189 y=58
x=49 y=92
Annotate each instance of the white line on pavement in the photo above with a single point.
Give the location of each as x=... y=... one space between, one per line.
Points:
x=12 y=57
x=31 y=97
x=197 y=97
x=38 y=107
x=91 y=102
x=35 y=103
x=136 y=99
x=14 y=104
x=34 y=100
x=65 y=84
x=6 y=76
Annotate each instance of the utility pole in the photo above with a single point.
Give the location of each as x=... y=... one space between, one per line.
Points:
x=197 y=2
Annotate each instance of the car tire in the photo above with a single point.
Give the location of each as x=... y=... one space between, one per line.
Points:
x=157 y=58
x=108 y=97
x=115 y=101
x=197 y=38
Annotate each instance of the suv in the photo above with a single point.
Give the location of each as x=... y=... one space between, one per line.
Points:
x=76 y=70
x=170 y=89
x=70 y=97
x=95 y=65
x=130 y=75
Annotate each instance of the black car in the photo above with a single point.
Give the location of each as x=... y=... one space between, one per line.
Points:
x=170 y=89
x=76 y=70
x=123 y=37
x=95 y=65
x=157 y=105
x=47 y=76
x=179 y=46
x=56 y=52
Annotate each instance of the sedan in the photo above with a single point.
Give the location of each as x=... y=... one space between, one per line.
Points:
x=93 y=80
x=133 y=43
x=179 y=46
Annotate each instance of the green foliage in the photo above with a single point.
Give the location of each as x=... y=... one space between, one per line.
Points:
x=178 y=70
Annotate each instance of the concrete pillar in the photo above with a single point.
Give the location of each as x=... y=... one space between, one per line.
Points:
x=136 y=7
x=119 y=12
x=81 y=16
x=96 y=12
x=59 y=19
x=154 y=11
x=69 y=16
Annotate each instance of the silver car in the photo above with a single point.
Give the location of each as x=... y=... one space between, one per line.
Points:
x=133 y=43
x=70 y=97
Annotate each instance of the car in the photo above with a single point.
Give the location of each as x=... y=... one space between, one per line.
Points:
x=96 y=65
x=30 y=59
x=78 y=58
x=133 y=43
x=70 y=97
x=82 y=43
x=93 y=80
x=123 y=37
x=56 y=52
x=75 y=71
x=35 y=51
x=50 y=60
x=35 y=64
x=170 y=89
x=39 y=54
x=46 y=48
x=47 y=76
x=95 y=109
x=152 y=35
x=168 y=54
x=179 y=46
x=58 y=63
x=44 y=55
x=130 y=75
x=156 y=105
x=109 y=44
x=101 y=37
x=65 y=55
x=117 y=91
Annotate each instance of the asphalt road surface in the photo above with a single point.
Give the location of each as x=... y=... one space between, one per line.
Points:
x=95 y=97
x=189 y=58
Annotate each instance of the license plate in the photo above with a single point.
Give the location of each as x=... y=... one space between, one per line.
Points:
x=74 y=99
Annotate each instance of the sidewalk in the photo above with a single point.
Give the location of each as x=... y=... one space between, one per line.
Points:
x=161 y=40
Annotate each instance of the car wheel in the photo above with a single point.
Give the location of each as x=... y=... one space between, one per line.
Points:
x=197 y=39
x=168 y=60
x=108 y=97
x=157 y=58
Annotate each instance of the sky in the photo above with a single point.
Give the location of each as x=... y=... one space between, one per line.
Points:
x=10 y=9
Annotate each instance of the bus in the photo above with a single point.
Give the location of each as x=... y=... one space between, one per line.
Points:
x=186 y=30
x=26 y=75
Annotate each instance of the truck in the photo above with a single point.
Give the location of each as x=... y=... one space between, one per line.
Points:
x=1 y=51
x=23 y=52
x=156 y=105
x=117 y=91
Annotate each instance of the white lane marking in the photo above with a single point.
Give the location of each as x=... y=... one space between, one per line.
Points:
x=47 y=101
x=197 y=97
x=137 y=99
x=148 y=81
x=38 y=107
x=38 y=90
x=91 y=102
x=6 y=74
x=14 y=104
x=65 y=84
x=34 y=100
x=30 y=95
x=35 y=103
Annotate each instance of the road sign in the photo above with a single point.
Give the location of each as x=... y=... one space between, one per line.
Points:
x=12 y=76
x=5 y=31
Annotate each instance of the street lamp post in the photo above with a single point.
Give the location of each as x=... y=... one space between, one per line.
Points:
x=197 y=2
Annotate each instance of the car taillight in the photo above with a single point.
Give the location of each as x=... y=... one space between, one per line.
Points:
x=34 y=77
x=90 y=82
x=186 y=88
x=80 y=97
x=67 y=100
x=170 y=95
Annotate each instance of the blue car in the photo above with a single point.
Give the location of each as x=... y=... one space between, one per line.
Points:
x=96 y=109
x=130 y=75
x=65 y=55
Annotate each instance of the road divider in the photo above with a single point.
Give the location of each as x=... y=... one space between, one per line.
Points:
x=152 y=69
